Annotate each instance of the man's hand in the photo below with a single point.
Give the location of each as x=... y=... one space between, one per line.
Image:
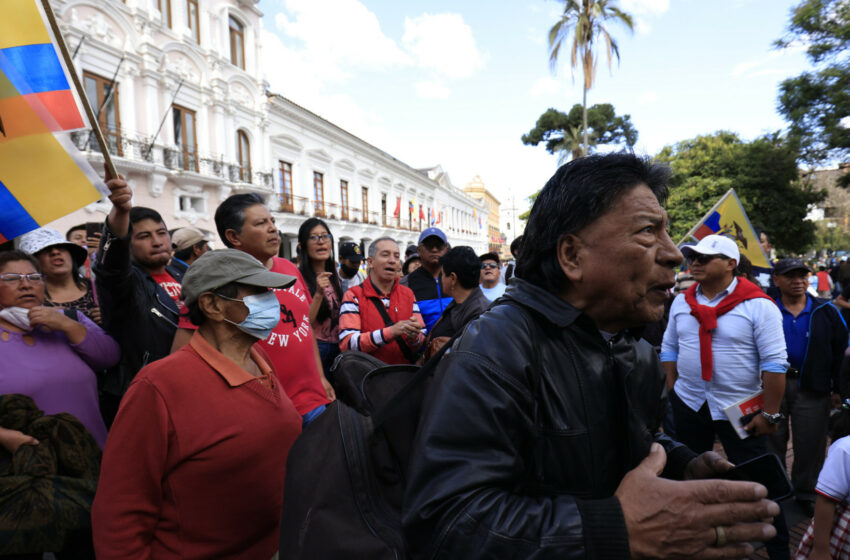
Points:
x=706 y=465
x=329 y=389
x=672 y=519
x=409 y=328
x=120 y=194
x=93 y=242
x=759 y=426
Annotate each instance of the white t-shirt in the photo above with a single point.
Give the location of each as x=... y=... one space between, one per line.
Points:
x=495 y=292
x=834 y=478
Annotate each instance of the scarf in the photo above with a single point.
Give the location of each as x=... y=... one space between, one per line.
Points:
x=707 y=317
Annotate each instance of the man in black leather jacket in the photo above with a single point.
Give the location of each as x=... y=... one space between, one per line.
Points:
x=137 y=310
x=538 y=435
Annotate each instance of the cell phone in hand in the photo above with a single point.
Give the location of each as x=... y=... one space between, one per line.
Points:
x=767 y=471
x=93 y=228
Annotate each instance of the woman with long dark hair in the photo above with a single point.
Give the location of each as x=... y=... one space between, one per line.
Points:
x=318 y=267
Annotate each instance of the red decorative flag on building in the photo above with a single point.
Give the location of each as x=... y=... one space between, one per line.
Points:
x=397 y=208
x=421 y=213
x=42 y=175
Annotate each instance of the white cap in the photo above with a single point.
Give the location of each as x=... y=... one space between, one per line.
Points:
x=715 y=245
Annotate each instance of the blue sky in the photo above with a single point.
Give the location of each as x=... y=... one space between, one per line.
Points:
x=457 y=83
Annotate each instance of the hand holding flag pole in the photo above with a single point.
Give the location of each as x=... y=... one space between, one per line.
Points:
x=81 y=92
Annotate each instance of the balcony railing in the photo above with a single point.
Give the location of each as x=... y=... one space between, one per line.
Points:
x=140 y=148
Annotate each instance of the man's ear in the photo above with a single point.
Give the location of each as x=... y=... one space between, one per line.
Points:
x=732 y=262
x=211 y=306
x=568 y=257
x=232 y=238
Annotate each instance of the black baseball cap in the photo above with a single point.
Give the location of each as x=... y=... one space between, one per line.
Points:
x=351 y=251
x=787 y=265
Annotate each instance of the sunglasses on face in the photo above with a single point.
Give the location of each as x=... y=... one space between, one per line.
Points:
x=704 y=259
x=485 y=266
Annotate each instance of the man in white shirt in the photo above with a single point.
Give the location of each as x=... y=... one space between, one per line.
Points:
x=490 y=274
x=724 y=342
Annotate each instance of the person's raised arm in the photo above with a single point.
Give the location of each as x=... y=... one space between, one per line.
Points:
x=121 y=195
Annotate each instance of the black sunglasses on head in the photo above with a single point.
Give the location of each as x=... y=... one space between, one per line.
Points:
x=704 y=259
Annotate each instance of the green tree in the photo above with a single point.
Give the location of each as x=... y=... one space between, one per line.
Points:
x=561 y=131
x=582 y=24
x=763 y=173
x=817 y=103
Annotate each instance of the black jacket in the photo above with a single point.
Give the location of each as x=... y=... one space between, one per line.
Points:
x=825 y=349
x=530 y=423
x=127 y=295
x=455 y=317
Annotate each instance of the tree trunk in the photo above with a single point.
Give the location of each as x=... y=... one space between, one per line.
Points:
x=586 y=147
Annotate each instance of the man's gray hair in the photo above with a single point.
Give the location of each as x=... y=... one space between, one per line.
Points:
x=373 y=247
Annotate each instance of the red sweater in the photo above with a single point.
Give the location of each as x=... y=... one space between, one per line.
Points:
x=195 y=462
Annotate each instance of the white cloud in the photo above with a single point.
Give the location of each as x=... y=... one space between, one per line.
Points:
x=648 y=97
x=546 y=85
x=339 y=36
x=432 y=89
x=768 y=64
x=442 y=43
x=845 y=122
x=654 y=7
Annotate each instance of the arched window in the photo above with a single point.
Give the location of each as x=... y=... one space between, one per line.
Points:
x=237 y=43
x=244 y=154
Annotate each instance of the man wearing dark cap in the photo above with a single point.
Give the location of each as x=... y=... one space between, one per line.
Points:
x=350 y=259
x=425 y=280
x=490 y=273
x=816 y=337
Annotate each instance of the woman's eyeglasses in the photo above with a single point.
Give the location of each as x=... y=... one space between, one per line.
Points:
x=319 y=238
x=13 y=278
x=704 y=259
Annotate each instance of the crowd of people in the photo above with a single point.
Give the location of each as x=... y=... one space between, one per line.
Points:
x=195 y=370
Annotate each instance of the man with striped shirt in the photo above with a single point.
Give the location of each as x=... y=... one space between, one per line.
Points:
x=380 y=316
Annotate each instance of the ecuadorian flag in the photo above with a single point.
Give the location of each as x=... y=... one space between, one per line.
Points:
x=729 y=218
x=42 y=176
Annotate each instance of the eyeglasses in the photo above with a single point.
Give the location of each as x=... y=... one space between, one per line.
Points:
x=10 y=278
x=435 y=244
x=704 y=259
x=485 y=266
x=319 y=238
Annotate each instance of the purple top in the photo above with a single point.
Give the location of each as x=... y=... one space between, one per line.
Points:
x=58 y=375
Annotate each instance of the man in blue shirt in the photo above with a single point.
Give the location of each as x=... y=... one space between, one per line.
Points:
x=816 y=337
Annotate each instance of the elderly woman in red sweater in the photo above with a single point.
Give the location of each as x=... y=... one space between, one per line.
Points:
x=195 y=462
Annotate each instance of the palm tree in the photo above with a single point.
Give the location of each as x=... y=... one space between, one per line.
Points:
x=584 y=21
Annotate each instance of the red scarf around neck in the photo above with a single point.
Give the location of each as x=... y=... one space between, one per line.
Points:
x=707 y=317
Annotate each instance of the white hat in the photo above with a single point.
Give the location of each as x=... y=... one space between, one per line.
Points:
x=44 y=238
x=715 y=245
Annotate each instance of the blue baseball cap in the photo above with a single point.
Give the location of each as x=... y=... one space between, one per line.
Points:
x=432 y=232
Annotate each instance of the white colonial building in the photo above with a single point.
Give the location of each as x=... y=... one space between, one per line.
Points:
x=190 y=121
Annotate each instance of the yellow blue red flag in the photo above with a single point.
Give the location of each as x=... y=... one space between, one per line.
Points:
x=729 y=218
x=42 y=175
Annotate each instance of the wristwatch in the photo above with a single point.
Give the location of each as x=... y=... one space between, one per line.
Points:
x=773 y=419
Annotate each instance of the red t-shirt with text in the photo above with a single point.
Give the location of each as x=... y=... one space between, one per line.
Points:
x=172 y=288
x=290 y=346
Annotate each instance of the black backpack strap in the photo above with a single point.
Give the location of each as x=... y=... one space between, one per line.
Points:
x=70 y=313
x=408 y=353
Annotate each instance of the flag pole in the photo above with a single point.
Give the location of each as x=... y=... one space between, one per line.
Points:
x=66 y=56
x=704 y=216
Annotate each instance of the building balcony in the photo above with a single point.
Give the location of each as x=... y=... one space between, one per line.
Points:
x=140 y=149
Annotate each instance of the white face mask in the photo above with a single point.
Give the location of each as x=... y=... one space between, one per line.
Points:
x=18 y=316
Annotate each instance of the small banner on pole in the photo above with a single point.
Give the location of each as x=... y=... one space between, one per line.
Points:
x=42 y=174
x=729 y=218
